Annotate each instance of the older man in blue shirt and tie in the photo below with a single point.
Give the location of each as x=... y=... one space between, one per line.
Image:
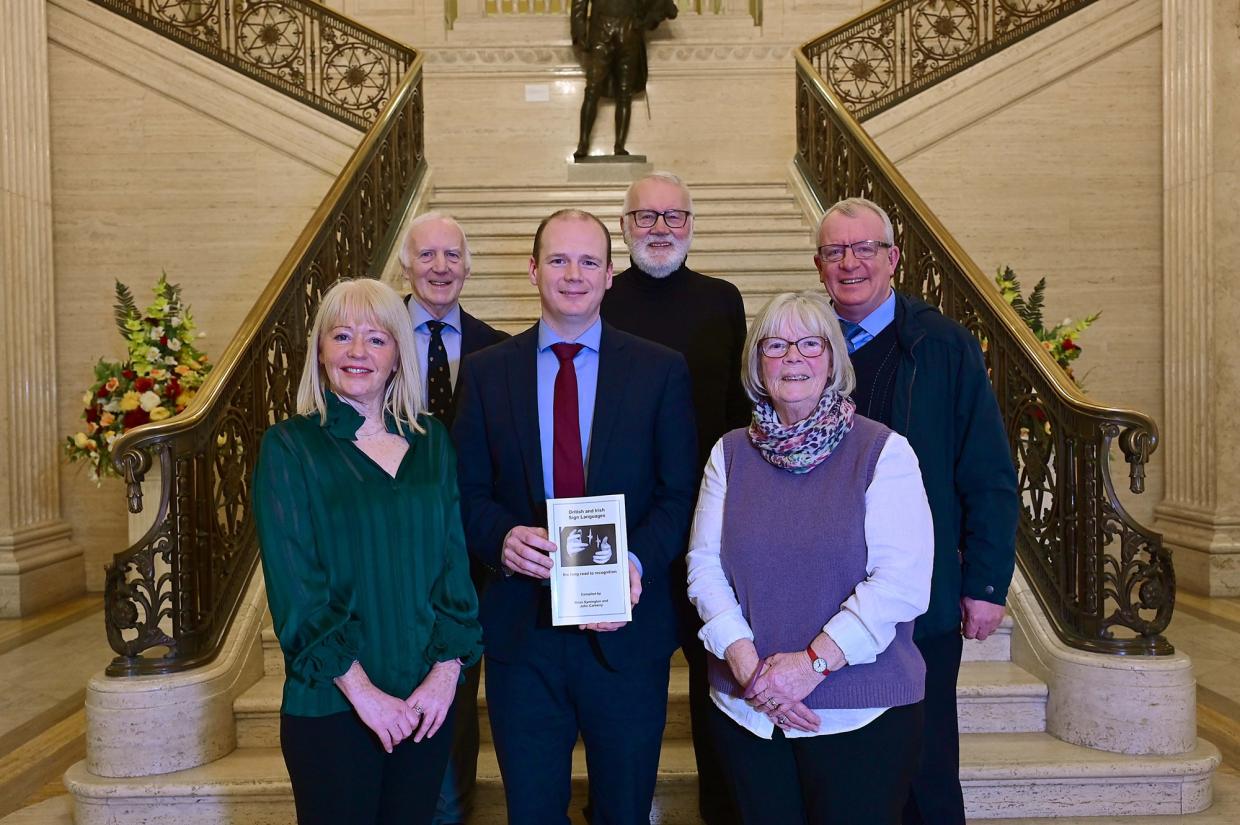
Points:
x=435 y=261
x=923 y=376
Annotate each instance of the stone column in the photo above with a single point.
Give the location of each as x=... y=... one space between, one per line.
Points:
x=39 y=563
x=1200 y=513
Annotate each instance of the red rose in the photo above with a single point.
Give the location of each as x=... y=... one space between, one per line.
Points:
x=163 y=340
x=103 y=392
x=1068 y=346
x=143 y=384
x=133 y=418
x=129 y=375
x=92 y=414
x=172 y=389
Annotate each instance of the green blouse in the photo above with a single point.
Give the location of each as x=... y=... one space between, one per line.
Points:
x=361 y=565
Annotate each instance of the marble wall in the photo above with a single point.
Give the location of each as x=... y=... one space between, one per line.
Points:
x=1066 y=183
x=144 y=182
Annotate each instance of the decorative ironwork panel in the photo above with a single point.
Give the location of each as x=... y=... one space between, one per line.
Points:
x=1106 y=582
x=298 y=47
x=171 y=597
x=902 y=47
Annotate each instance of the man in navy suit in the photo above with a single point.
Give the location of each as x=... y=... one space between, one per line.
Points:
x=573 y=406
x=436 y=262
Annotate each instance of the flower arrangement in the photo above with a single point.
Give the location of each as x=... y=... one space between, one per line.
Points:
x=1059 y=340
x=158 y=379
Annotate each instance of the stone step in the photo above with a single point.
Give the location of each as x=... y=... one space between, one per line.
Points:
x=587 y=195
x=494 y=285
x=996 y=648
x=723 y=259
x=991 y=697
x=795 y=242
x=505 y=224
x=1003 y=775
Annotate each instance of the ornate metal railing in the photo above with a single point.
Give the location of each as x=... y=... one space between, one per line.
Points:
x=510 y=8
x=900 y=48
x=1106 y=582
x=170 y=597
x=298 y=47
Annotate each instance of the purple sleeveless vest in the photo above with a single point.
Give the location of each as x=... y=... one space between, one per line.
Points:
x=793 y=548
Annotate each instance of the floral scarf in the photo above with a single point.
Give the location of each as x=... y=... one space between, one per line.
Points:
x=800 y=447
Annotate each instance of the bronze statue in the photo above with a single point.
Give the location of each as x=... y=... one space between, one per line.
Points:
x=611 y=33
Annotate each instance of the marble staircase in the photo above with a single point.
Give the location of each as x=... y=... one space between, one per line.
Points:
x=1010 y=766
x=753 y=234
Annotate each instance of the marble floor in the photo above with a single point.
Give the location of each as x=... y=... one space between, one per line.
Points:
x=46 y=660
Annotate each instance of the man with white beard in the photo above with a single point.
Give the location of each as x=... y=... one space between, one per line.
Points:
x=659 y=298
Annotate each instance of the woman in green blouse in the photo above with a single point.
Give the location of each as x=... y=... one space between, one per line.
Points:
x=367 y=576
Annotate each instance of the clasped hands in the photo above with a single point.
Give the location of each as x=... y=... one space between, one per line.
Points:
x=394 y=720
x=776 y=685
x=527 y=550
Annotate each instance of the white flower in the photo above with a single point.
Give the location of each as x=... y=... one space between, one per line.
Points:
x=113 y=406
x=174 y=344
x=171 y=360
x=153 y=354
x=1066 y=322
x=148 y=400
x=174 y=321
x=157 y=333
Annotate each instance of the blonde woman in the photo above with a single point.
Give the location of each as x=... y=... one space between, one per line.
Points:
x=367 y=576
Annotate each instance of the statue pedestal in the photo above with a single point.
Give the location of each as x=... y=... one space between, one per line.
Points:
x=614 y=169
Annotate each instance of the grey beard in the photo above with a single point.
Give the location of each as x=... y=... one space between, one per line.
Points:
x=657 y=270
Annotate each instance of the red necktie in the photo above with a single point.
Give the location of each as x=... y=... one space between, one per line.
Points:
x=568 y=474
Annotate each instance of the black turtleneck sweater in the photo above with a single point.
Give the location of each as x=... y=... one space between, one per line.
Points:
x=702 y=318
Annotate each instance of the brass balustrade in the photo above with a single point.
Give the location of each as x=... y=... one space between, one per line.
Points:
x=169 y=599
x=298 y=47
x=900 y=48
x=1106 y=583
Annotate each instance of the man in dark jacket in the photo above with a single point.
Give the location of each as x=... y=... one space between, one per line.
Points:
x=923 y=375
x=435 y=260
x=661 y=299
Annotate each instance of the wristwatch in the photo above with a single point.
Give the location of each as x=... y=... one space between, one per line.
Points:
x=818 y=663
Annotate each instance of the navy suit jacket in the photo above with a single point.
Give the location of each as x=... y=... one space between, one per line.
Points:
x=642 y=444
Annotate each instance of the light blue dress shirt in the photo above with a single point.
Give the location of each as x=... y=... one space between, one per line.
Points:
x=451 y=335
x=585 y=363
x=871 y=325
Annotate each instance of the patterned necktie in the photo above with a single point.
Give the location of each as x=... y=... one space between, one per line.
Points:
x=851 y=333
x=438 y=378
x=568 y=474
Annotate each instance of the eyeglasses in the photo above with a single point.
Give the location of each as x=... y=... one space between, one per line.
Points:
x=646 y=218
x=861 y=250
x=811 y=346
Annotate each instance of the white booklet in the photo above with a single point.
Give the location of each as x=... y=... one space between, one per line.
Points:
x=590 y=568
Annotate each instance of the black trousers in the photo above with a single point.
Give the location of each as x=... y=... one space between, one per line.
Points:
x=856 y=778
x=340 y=772
x=540 y=705
x=935 y=797
x=714 y=801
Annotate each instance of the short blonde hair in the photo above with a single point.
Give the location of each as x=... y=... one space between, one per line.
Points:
x=813 y=311
x=365 y=300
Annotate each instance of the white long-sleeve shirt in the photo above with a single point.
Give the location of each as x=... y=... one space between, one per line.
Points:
x=899 y=535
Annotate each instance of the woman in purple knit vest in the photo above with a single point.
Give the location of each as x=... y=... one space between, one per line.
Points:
x=810 y=558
